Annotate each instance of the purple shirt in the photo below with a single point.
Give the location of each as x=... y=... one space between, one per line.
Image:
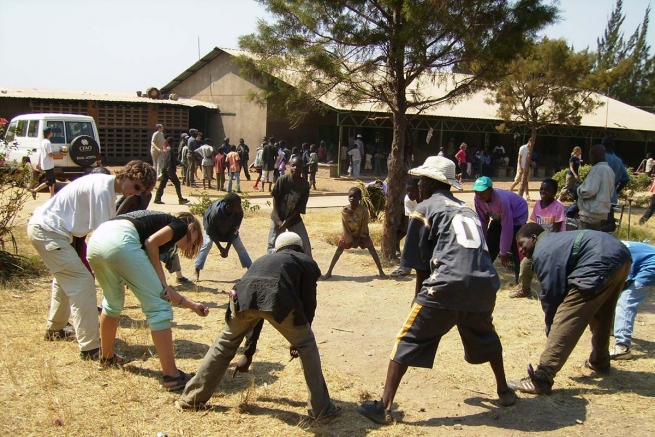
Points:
x=507 y=207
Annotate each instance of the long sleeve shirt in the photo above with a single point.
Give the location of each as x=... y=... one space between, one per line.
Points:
x=221 y=226
x=620 y=173
x=507 y=207
x=595 y=193
x=558 y=269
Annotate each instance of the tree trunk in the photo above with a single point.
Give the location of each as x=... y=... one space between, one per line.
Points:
x=396 y=181
x=526 y=174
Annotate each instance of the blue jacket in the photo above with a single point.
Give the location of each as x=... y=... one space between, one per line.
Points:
x=620 y=173
x=559 y=269
x=221 y=226
x=643 y=263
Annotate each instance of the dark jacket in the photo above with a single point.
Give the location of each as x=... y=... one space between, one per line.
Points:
x=221 y=226
x=597 y=256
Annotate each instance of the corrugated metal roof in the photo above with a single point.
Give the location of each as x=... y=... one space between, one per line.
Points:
x=613 y=114
x=40 y=93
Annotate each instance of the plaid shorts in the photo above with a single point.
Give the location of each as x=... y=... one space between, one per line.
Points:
x=358 y=242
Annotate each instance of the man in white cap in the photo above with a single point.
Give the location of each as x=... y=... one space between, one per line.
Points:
x=281 y=288
x=456 y=285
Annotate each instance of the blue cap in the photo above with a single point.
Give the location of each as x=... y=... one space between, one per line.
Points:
x=482 y=183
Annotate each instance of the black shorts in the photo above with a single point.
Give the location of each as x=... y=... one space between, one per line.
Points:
x=418 y=339
x=50 y=177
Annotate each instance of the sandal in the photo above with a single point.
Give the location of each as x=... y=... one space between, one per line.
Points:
x=115 y=361
x=400 y=272
x=33 y=194
x=327 y=418
x=179 y=381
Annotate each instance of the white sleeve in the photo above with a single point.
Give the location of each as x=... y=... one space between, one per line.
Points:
x=103 y=209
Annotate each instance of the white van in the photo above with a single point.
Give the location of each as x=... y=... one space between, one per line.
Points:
x=76 y=132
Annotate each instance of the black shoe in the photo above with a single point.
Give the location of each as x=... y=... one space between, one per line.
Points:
x=183 y=280
x=376 y=412
x=68 y=333
x=158 y=201
x=91 y=355
x=184 y=201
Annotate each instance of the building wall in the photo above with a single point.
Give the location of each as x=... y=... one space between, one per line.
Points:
x=220 y=82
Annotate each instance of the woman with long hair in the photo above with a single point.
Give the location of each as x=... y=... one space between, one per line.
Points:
x=572 y=176
x=126 y=250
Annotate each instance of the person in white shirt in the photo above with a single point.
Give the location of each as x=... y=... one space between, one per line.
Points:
x=47 y=164
x=521 y=165
x=357 y=161
x=499 y=150
x=441 y=152
x=79 y=208
x=157 y=149
x=411 y=200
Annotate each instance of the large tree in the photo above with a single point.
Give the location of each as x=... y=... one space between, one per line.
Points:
x=549 y=84
x=385 y=52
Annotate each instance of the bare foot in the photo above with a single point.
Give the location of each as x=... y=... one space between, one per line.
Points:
x=507 y=397
x=383 y=275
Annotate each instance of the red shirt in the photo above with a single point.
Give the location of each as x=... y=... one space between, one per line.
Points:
x=219 y=163
x=461 y=156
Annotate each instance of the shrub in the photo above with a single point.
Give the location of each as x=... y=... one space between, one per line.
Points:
x=373 y=199
x=637 y=184
x=204 y=202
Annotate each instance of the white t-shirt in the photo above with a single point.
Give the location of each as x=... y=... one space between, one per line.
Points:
x=524 y=150
x=78 y=208
x=410 y=205
x=500 y=149
x=206 y=151
x=355 y=154
x=158 y=139
x=45 y=160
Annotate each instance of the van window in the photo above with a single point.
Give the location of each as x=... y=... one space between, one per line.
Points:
x=11 y=131
x=21 y=128
x=57 y=131
x=77 y=128
x=33 y=129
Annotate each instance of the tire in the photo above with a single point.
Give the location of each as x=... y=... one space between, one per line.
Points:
x=84 y=150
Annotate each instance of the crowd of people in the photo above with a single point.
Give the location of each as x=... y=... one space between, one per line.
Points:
x=588 y=277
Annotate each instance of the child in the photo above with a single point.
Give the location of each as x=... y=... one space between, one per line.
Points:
x=207 y=153
x=219 y=168
x=355 y=231
x=313 y=166
x=234 y=168
x=34 y=172
x=549 y=213
x=411 y=200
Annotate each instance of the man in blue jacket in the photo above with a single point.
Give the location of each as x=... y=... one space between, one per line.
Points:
x=582 y=274
x=221 y=224
x=640 y=282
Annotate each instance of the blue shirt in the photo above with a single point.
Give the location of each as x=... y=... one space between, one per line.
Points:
x=643 y=263
x=620 y=173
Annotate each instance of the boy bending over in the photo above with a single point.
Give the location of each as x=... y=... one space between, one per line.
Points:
x=355 y=231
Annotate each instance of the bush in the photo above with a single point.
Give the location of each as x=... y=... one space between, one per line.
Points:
x=204 y=202
x=373 y=199
x=637 y=184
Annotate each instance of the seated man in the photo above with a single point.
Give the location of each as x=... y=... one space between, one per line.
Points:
x=582 y=274
x=281 y=288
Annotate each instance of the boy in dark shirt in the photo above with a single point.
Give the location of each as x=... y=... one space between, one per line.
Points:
x=456 y=285
x=221 y=224
x=280 y=288
x=269 y=155
x=290 y=196
x=582 y=274
x=354 y=218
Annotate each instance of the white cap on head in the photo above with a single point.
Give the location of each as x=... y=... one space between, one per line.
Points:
x=359 y=135
x=286 y=239
x=438 y=168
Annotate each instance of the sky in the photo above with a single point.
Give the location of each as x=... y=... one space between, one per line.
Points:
x=126 y=46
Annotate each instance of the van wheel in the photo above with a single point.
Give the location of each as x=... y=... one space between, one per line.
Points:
x=84 y=150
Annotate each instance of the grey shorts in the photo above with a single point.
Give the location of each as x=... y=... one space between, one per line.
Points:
x=418 y=339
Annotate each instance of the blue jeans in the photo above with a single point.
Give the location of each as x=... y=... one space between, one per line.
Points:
x=356 y=165
x=244 y=258
x=237 y=175
x=626 y=311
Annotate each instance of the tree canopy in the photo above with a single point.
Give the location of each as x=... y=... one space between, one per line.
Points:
x=382 y=51
x=550 y=83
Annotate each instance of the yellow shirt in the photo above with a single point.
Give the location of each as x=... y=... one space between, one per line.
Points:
x=355 y=223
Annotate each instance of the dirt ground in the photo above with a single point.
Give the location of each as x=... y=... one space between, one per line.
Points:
x=45 y=389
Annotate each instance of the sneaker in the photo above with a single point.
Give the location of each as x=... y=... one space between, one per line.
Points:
x=518 y=292
x=184 y=201
x=603 y=371
x=620 y=352
x=158 y=202
x=67 y=333
x=375 y=411
x=532 y=384
x=91 y=355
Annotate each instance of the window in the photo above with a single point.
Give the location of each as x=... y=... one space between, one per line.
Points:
x=21 y=128
x=77 y=128
x=33 y=129
x=11 y=132
x=57 y=131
